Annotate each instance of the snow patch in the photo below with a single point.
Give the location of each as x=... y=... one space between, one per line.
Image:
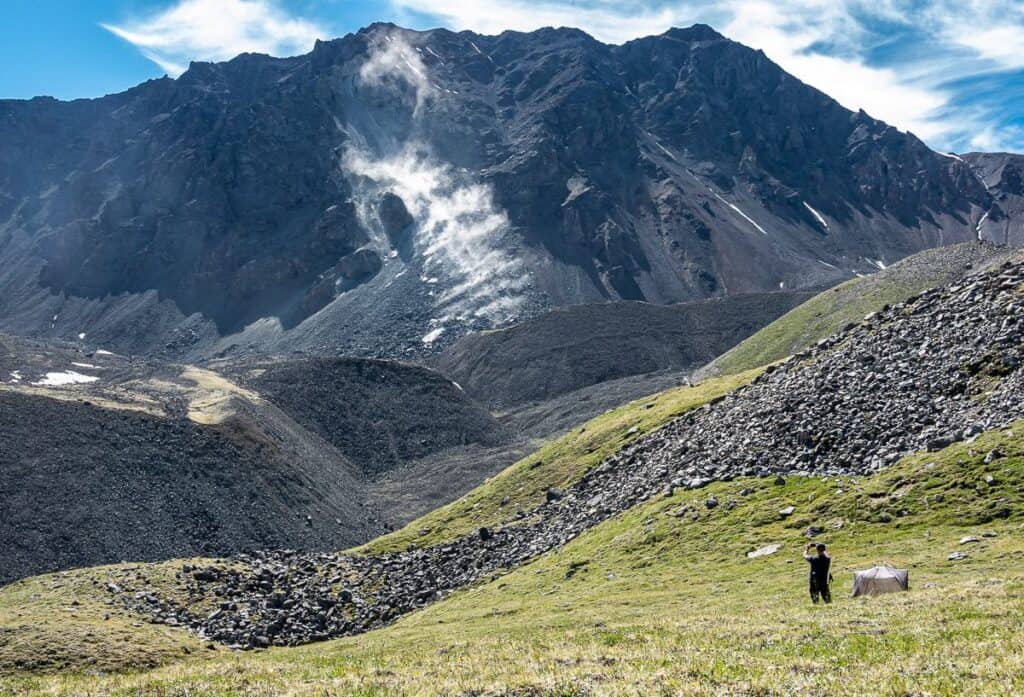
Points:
x=816 y=215
x=821 y=261
x=81 y=335
x=877 y=263
x=477 y=49
x=431 y=52
x=15 y=376
x=666 y=150
x=87 y=365
x=68 y=377
x=981 y=221
x=950 y=155
x=745 y=216
x=102 y=352
x=432 y=336
x=458 y=386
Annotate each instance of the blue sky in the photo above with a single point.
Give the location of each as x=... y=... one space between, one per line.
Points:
x=951 y=71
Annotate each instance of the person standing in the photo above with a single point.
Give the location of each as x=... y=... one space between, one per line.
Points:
x=821 y=576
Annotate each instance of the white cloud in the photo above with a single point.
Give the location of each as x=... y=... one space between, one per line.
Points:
x=607 y=20
x=879 y=91
x=216 y=30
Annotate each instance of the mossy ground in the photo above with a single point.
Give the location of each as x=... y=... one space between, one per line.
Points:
x=662 y=600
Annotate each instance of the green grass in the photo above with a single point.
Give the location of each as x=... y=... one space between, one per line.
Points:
x=662 y=600
x=848 y=302
x=523 y=485
x=68 y=621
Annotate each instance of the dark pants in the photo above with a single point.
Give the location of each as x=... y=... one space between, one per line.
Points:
x=819 y=586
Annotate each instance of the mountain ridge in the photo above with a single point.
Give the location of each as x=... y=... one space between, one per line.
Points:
x=261 y=231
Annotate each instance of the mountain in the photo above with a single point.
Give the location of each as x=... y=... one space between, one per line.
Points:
x=392 y=190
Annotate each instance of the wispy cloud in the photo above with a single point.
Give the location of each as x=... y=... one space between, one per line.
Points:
x=216 y=30
x=903 y=61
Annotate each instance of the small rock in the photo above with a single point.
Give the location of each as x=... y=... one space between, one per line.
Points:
x=764 y=551
x=779 y=481
x=990 y=480
x=787 y=511
x=554 y=494
x=956 y=556
x=813 y=531
x=968 y=540
x=711 y=502
x=992 y=455
x=484 y=534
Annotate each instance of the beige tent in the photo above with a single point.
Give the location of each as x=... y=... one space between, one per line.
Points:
x=880 y=579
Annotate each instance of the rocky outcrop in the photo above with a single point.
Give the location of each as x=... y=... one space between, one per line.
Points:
x=1003 y=176
x=396 y=221
x=920 y=375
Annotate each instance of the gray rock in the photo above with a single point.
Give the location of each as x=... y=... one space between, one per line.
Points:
x=764 y=551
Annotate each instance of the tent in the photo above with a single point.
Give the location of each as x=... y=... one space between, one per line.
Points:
x=880 y=579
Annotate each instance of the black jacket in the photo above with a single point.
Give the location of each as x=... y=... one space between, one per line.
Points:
x=820 y=564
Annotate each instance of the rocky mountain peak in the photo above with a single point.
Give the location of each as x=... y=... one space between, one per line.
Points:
x=539 y=169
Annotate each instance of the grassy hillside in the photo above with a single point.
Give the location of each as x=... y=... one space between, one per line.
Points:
x=661 y=600
x=558 y=464
x=825 y=313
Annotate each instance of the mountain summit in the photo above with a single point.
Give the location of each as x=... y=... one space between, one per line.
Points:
x=393 y=189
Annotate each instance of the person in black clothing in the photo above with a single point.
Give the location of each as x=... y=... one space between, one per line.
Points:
x=821 y=577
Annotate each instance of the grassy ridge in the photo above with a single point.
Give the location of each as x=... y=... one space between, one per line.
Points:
x=825 y=313
x=663 y=600
x=560 y=463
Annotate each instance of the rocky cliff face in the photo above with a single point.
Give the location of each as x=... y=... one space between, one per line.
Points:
x=1003 y=177
x=409 y=186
